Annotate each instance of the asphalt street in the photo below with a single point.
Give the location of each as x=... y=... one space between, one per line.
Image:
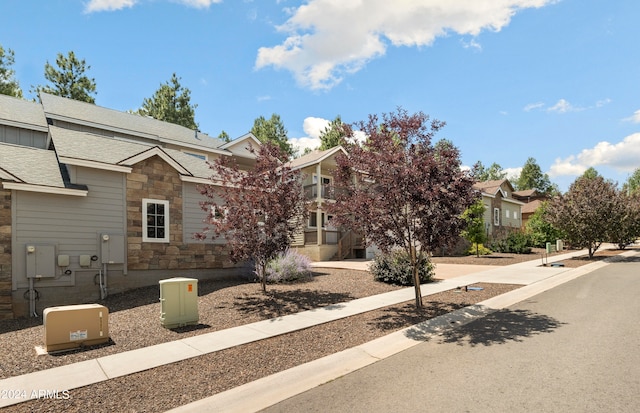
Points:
x=574 y=348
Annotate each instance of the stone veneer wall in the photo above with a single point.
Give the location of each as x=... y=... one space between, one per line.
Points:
x=6 y=310
x=155 y=179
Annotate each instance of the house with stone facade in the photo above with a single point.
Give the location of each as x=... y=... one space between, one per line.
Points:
x=95 y=201
x=502 y=211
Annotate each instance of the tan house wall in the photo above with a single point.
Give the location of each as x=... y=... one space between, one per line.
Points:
x=6 y=310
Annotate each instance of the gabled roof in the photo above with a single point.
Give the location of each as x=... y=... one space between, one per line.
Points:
x=492 y=187
x=240 y=146
x=527 y=193
x=100 y=152
x=30 y=165
x=91 y=115
x=530 y=207
x=247 y=136
x=75 y=145
x=22 y=113
x=31 y=169
x=315 y=157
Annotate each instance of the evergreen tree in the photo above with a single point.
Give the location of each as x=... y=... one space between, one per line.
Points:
x=590 y=173
x=633 y=182
x=273 y=130
x=8 y=83
x=171 y=103
x=532 y=177
x=333 y=135
x=224 y=136
x=69 y=79
x=493 y=173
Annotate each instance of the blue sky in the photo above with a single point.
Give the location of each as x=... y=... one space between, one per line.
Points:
x=556 y=80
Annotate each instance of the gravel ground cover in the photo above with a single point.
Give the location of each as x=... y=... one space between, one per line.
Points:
x=134 y=323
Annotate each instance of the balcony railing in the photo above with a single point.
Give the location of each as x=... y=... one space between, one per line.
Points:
x=329 y=237
x=327 y=191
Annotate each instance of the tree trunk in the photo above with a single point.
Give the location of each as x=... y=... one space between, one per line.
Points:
x=263 y=275
x=416 y=278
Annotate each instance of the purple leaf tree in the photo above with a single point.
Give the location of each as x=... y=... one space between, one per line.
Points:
x=401 y=191
x=257 y=211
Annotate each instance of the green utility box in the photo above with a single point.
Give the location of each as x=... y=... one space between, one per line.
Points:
x=178 y=302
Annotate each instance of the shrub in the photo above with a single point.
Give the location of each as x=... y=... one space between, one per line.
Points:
x=481 y=250
x=288 y=266
x=395 y=268
x=516 y=242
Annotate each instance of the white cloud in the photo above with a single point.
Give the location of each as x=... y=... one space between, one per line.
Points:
x=112 y=5
x=564 y=106
x=327 y=39
x=513 y=173
x=635 y=118
x=199 y=4
x=313 y=127
x=301 y=144
x=532 y=106
x=472 y=44
x=107 y=5
x=622 y=156
x=359 y=137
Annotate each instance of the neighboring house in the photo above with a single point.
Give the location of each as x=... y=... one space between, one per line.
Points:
x=502 y=211
x=318 y=239
x=532 y=200
x=94 y=200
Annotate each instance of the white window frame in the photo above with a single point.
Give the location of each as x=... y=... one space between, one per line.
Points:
x=496 y=217
x=145 y=204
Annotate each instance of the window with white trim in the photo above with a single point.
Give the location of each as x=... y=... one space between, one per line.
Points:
x=155 y=220
x=496 y=216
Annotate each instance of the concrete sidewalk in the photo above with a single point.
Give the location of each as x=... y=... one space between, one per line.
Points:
x=260 y=394
x=442 y=271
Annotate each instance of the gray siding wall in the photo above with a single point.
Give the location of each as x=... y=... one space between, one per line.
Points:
x=193 y=215
x=71 y=224
x=24 y=137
